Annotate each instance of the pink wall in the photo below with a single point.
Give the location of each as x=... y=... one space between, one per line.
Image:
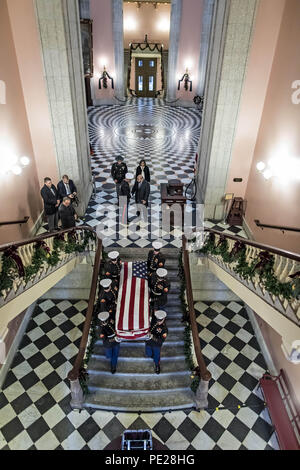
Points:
x=265 y=36
x=20 y=195
x=101 y=14
x=146 y=20
x=27 y=45
x=189 y=45
x=273 y=341
x=277 y=201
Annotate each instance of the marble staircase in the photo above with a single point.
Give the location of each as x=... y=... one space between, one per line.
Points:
x=135 y=386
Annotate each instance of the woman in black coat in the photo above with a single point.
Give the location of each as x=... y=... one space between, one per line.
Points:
x=143 y=169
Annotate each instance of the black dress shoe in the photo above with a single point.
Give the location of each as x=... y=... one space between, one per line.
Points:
x=113 y=370
x=157 y=369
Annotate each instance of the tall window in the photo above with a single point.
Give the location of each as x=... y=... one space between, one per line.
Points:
x=140 y=81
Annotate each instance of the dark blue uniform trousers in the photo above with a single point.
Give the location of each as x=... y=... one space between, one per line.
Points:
x=154 y=352
x=113 y=354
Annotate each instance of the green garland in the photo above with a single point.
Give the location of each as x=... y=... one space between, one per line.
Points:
x=264 y=267
x=41 y=254
x=9 y=272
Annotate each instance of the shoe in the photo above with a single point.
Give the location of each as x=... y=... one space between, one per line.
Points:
x=157 y=369
x=113 y=370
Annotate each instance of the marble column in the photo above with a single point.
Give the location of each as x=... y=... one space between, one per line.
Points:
x=230 y=41
x=176 y=9
x=59 y=28
x=208 y=9
x=117 y=6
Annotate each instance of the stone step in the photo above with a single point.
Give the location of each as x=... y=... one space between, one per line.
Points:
x=142 y=401
x=174 y=334
x=138 y=365
x=138 y=382
x=142 y=253
x=138 y=350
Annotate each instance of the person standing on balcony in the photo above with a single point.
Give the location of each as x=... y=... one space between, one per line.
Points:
x=66 y=187
x=157 y=334
x=118 y=173
x=110 y=341
x=67 y=214
x=51 y=202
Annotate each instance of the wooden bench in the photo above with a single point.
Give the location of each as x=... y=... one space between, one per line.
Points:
x=283 y=411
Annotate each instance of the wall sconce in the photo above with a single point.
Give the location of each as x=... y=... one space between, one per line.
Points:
x=186 y=79
x=266 y=172
x=11 y=163
x=103 y=79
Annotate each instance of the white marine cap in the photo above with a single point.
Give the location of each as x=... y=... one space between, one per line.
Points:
x=160 y=314
x=105 y=283
x=103 y=316
x=113 y=255
x=157 y=245
x=161 y=272
x=129 y=176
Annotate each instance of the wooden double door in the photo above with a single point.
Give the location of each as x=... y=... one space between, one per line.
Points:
x=145 y=76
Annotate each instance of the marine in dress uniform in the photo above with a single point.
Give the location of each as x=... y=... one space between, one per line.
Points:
x=126 y=195
x=107 y=301
x=112 y=269
x=159 y=288
x=157 y=335
x=110 y=340
x=155 y=259
x=118 y=172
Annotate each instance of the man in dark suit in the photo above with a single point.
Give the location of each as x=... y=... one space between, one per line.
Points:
x=67 y=214
x=141 y=189
x=66 y=187
x=51 y=202
x=125 y=198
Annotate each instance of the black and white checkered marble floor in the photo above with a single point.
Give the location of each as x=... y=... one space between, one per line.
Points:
x=34 y=403
x=168 y=143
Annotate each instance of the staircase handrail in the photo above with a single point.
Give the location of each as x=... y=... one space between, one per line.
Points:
x=277 y=251
x=74 y=372
x=44 y=236
x=204 y=373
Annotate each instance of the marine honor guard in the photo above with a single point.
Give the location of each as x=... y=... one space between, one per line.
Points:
x=111 y=342
x=157 y=334
x=113 y=269
x=155 y=259
x=159 y=288
x=107 y=298
x=118 y=172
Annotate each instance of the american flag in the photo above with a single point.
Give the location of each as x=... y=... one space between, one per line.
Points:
x=132 y=316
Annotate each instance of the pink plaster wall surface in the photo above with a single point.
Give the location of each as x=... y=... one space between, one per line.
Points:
x=28 y=51
x=265 y=36
x=103 y=45
x=273 y=341
x=277 y=200
x=20 y=195
x=189 y=45
x=146 y=20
